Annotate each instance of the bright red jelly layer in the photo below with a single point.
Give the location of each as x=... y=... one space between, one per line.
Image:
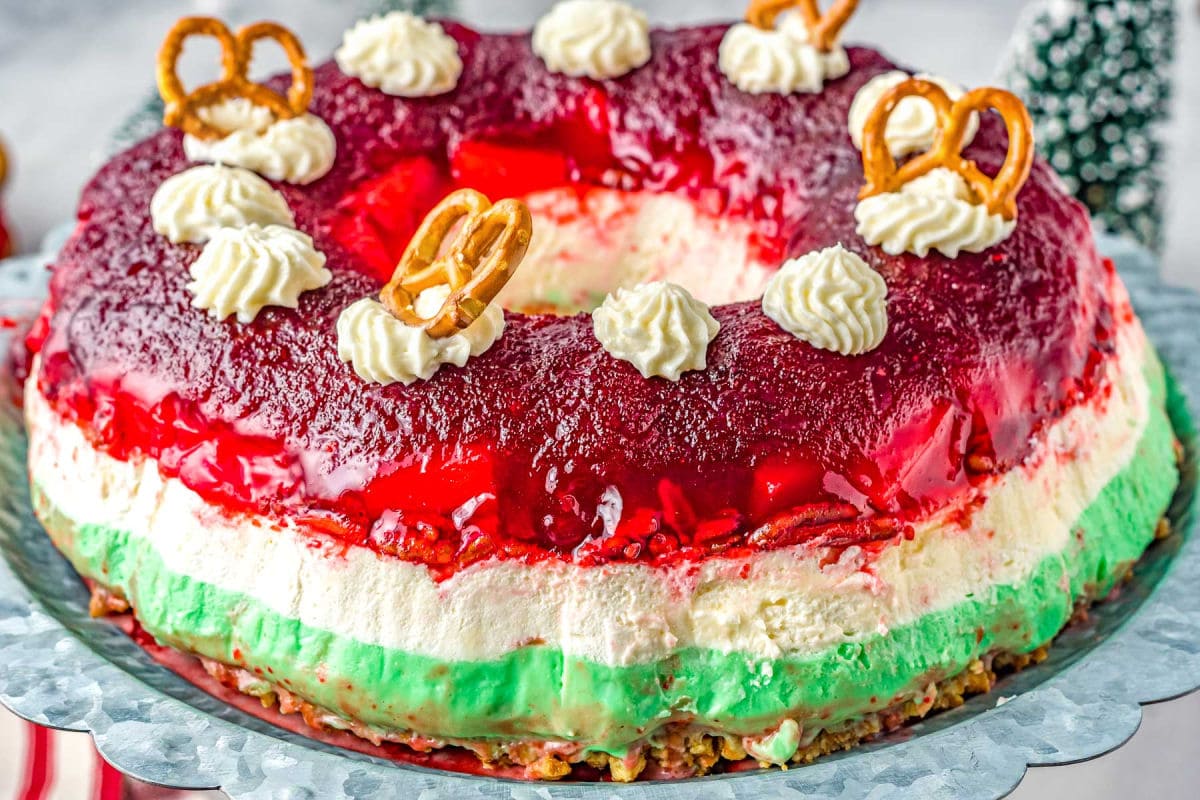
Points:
x=546 y=446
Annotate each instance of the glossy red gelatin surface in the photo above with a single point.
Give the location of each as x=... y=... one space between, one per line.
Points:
x=545 y=446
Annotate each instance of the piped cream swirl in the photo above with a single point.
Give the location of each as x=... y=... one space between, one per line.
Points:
x=913 y=126
x=593 y=38
x=299 y=150
x=934 y=212
x=401 y=54
x=778 y=61
x=658 y=327
x=191 y=206
x=384 y=350
x=242 y=270
x=831 y=299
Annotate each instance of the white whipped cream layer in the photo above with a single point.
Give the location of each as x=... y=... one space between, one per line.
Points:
x=385 y=350
x=934 y=212
x=658 y=327
x=596 y=39
x=797 y=600
x=831 y=299
x=401 y=54
x=913 y=125
x=243 y=270
x=298 y=150
x=192 y=205
x=780 y=61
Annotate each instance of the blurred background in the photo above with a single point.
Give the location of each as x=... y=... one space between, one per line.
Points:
x=72 y=72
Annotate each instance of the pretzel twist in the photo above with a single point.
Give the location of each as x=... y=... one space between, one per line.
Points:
x=998 y=193
x=237 y=49
x=476 y=264
x=823 y=27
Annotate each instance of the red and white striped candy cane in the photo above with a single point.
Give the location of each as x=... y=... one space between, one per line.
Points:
x=37 y=763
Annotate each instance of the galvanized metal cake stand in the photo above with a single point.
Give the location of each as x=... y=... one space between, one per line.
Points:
x=60 y=668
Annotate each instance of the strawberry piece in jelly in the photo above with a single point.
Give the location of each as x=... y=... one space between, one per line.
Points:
x=377 y=219
x=500 y=170
x=781 y=482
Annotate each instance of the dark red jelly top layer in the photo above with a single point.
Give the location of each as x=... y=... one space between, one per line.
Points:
x=546 y=446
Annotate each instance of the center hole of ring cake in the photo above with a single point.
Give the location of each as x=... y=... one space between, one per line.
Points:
x=589 y=241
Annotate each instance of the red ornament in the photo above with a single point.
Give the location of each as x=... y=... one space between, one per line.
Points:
x=6 y=243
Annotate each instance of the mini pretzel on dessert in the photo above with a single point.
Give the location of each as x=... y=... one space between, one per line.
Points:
x=823 y=27
x=236 y=52
x=999 y=194
x=475 y=264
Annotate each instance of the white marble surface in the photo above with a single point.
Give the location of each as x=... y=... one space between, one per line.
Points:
x=71 y=70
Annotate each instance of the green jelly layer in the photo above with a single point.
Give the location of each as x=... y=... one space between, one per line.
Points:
x=537 y=693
